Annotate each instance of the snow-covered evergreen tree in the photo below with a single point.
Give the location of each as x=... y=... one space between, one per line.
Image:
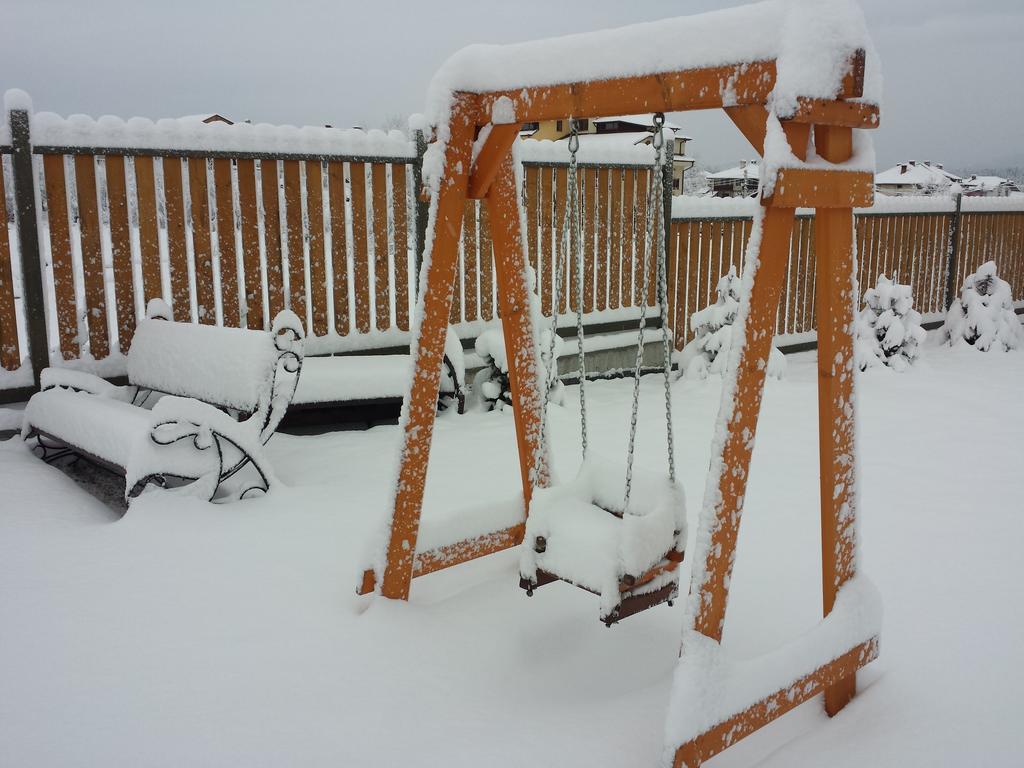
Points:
x=889 y=329
x=983 y=315
x=491 y=382
x=709 y=350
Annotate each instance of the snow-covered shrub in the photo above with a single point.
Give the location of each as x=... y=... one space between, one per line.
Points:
x=709 y=350
x=491 y=382
x=983 y=315
x=889 y=329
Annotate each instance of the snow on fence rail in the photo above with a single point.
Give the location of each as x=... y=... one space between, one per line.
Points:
x=230 y=224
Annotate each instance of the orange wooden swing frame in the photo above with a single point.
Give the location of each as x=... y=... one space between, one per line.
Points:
x=832 y=192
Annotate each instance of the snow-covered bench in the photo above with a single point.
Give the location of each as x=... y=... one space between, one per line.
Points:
x=358 y=380
x=221 y=394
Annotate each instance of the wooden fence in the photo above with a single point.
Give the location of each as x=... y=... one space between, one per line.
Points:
x=332 y=228
x=922 y=248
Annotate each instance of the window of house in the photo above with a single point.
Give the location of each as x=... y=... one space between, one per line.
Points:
x=530 y=126
x=582 y=124
x=558 y=125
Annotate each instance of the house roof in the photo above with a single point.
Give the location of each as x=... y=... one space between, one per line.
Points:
x=207 y=117
x=751 y=171
x=988 y=182
x=916 y=173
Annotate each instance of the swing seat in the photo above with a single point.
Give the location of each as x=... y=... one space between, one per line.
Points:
x=580 y=534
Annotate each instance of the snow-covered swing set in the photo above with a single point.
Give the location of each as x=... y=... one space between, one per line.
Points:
x=791 y=77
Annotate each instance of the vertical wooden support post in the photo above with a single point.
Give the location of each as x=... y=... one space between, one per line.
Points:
x=734 y=469
x=835 y=283
x=28 y=242
x=952 y=249
x=428 y=353
x=503 y=208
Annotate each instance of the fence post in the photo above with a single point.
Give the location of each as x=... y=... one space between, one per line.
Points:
x=28 y=241
x=422 y=207
x=952 y=249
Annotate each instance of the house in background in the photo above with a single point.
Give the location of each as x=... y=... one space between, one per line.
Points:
x=617 y=131
x=916 y=178
x=989 y=186
x=208 y=117
x=739 y=181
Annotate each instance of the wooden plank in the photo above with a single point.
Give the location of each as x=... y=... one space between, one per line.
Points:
x=120 y=250
x=270 y=184
x=92 y=256
x=798 y=187
x=360 y=251
x=642 y=189
x=739 y=726
x=339 y=246
x=469 y=260
x=629 y=234
x=405 y=271
x=317 y=255
x=249 y=225
x=750 y=83
x=707 y=268
x=202 y=246
x=149 y=232
x=450 y=555
x=615 y=239
x=601 y=256
x=693 y=295
x=381 y=256
x=560 y=262
x=177 y=256
x=10 y=352
x=61 y=256
x=589 y=214
x=576 y=234
x=486 y=266
x=676 y=298
x=546 y=256
x=227 y=254
x=294 y=237
x=531 y=181
x=808 y=267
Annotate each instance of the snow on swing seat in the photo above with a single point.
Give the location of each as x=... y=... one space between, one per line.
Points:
x=590 y=541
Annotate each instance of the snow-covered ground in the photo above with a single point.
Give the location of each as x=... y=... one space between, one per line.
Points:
x=229 y=635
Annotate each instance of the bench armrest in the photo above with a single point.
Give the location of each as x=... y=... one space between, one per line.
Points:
x=80 y=381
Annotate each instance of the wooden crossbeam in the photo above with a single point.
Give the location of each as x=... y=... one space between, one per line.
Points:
x=705 y=88
x=822 y=188
x=458 y=552
x=741 y=725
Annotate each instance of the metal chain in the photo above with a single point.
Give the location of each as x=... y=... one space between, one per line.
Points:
x=577 y=240
x=653 y=199
x=570 y=235
x=666 y=341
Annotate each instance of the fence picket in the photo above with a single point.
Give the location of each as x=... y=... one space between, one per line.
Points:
x=121 y=250
x=249 y=225
x=202 y=247
x=10 y=353
x=227 y=254
x=177 y=256
x=61 y=256
x=92 y=256
x=317 y=257
x=149 y=229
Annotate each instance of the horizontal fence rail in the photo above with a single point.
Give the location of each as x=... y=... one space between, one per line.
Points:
x=231 y=226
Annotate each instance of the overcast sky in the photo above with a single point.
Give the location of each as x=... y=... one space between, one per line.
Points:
x=952 y=68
